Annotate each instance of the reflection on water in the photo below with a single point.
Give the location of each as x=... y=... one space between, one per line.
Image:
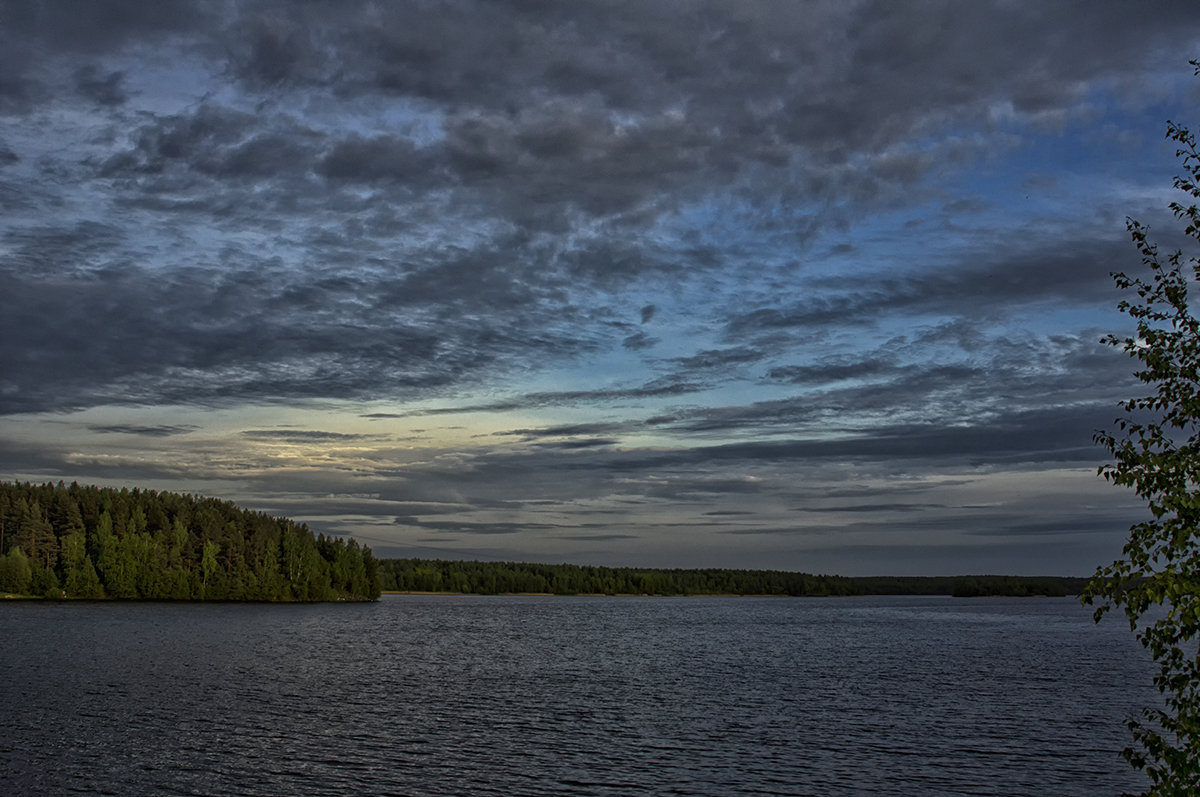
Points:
x=419 y=695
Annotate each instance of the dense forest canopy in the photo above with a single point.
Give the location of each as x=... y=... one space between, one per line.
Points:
x=94 y=542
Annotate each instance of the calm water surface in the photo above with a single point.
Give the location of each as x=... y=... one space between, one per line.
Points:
x=420 y=695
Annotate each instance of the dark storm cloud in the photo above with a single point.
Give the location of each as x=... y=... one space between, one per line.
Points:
x=718 y=358
x=777 y=237
x=572 y=445
x=1011 y=375
x=82 y=30
x=521 y=125
x=1027 y=523
x=658 y=389
x=775 y=531
x=638 y=341
x=994 y=284
x=565 y=430
x=455 y=527
x=305 y=436
x=143 y=431
x=603 y=537
x=46 y=249
x=380 y=158
x=1015 y=376
x=833 y=370
x=103 y=25
x=127 y=339
x=101 y=89
x=1083 y=525
x=1042 y=435
x=382 y=508
x=257 y=333
x=868 y=508
x=1033 y=435
x=215 y=142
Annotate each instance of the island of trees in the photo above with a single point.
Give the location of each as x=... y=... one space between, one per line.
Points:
x=93 y=542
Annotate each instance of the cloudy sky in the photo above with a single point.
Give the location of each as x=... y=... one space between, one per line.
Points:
x=799 y=285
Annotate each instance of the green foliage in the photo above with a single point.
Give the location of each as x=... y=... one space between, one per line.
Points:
x=34 y=534
x=15 y=572
x=133 y=544
x=80 y=577
x=1157 y=454
x=45 y=583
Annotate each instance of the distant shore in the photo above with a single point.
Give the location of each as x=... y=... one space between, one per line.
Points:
x=450 y=594
x=455 y=577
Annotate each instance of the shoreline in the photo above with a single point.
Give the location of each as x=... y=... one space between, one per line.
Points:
x=452 y=594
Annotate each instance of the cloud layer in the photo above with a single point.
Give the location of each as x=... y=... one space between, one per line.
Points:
x=606 y=280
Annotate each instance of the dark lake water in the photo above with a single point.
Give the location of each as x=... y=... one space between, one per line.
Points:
x=420 y=695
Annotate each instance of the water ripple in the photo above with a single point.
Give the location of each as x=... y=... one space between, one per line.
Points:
x=499 y=696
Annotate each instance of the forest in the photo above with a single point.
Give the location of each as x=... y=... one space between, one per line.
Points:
x=483 y=578
x=62 y=541
x=491 y=578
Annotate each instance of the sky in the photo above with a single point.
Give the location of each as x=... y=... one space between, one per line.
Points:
x=809 y=286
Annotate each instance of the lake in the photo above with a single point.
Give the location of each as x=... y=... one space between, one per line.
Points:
x=437 y=695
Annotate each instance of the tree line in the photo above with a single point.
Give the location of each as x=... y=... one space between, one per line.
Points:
x=500 y=578
x=974 y=586
x=95 y=542
x=92 y=542
x=491 y=578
